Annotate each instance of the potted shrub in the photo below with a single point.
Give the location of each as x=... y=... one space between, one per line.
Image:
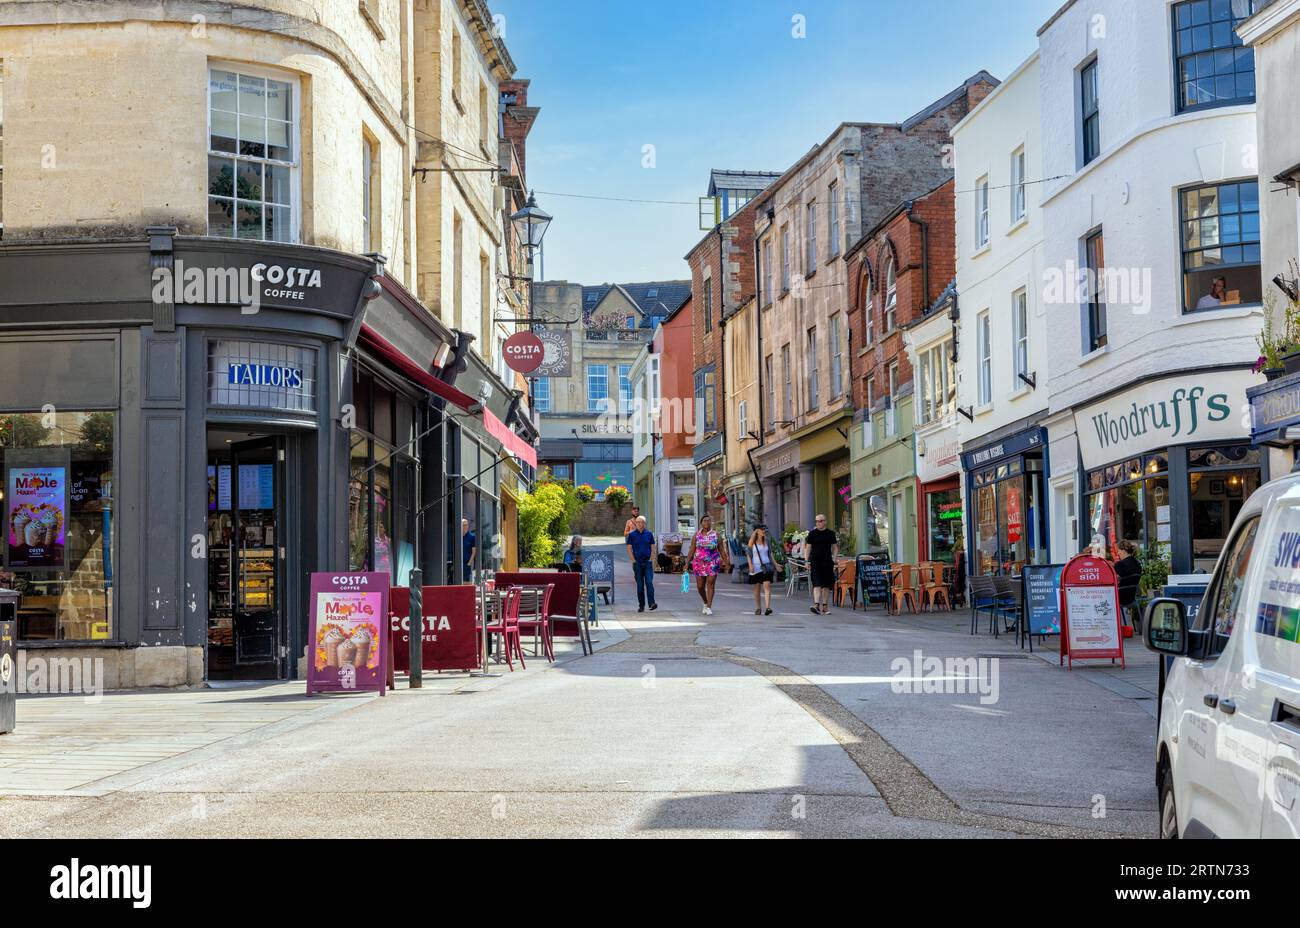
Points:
x=1279 y=340
x=585 y=492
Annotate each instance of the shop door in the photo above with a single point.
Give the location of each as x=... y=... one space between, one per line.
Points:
x=257 y=482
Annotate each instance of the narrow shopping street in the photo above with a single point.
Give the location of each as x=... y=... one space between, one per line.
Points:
x=679 y=724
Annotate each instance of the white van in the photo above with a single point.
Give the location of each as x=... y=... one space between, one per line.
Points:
x=1228 y=752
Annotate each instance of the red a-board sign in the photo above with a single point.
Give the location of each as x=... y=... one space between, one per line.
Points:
x=450 y=637
x=1090 y=613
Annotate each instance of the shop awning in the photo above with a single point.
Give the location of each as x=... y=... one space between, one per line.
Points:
x=509 y=440
x=408 y=368
x=512 y=443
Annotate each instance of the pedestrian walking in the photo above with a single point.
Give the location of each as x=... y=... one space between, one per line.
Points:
x=641 y=552
x=822 y=546
x=630 y=525
x=762 y=570
x=708 y=557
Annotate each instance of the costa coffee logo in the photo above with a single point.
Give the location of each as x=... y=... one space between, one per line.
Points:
x=524 y=352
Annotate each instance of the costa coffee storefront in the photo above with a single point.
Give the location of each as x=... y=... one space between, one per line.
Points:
x=194 y=425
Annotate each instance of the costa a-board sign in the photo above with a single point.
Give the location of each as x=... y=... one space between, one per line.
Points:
x=1090 y=614
x=450 y=638
x=524 y=352
x=349 y=633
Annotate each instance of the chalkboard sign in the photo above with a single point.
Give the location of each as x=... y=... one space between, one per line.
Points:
x=1042 y=583
x=873 y=579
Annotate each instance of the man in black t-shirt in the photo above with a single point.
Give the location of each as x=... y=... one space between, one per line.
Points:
x=821 y=546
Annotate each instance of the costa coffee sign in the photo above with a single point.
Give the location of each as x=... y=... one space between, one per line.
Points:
x=524 y=352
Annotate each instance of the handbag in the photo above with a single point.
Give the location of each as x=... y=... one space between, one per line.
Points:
x=686 y=583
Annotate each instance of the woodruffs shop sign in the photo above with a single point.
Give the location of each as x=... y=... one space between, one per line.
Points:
x=1168 y=411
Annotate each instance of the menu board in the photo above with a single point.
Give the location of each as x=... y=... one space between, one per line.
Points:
x=1094 y=619
x=1042 y=598
x=349 y=633
x=874 y=580
x=256 y=487
x=37 y=507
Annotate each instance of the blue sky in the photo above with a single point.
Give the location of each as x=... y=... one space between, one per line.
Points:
x=720 y=83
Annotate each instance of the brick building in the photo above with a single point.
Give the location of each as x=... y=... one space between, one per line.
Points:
x=813 y=217
x=722 y=280
x=900 y=269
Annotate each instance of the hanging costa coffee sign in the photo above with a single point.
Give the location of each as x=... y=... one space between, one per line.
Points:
x=524 y=352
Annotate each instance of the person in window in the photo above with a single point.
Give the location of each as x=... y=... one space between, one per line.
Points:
x=1128 y=569
x=468 y=545
x=1218 y=292
x=573 y=555
x=822 y=546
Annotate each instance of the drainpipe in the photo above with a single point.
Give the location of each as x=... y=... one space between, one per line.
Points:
x=925 y=253
x=758 y=329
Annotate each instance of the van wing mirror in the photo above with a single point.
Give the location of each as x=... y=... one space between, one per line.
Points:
x=1165 y=626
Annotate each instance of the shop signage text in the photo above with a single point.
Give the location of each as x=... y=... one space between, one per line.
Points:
x=1172 y=410
x=1273 y=407
x=226 y=286
x=264 y=375
x=1162 y=416
x=524 y=352
x=557 y=358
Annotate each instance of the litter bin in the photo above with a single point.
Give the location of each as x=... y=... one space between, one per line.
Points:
x=8 y=658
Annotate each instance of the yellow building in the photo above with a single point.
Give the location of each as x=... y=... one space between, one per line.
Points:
x=740 y=360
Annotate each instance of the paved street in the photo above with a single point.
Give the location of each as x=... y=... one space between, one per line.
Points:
x=680 y=724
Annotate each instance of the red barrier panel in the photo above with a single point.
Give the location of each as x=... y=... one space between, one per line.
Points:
x=564 y=601
x=450 y=640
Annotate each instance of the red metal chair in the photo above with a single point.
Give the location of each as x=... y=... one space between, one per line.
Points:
x=507 y=626
x=539 y=623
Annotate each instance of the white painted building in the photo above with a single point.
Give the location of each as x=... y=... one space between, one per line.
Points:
x=1148 y=129
x=1002 y=330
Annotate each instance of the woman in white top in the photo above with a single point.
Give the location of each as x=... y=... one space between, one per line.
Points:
x=762 y=570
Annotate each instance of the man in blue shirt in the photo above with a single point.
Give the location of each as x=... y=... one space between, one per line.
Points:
x=641 y=552
x=467 y=545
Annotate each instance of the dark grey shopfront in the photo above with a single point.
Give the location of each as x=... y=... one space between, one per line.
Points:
x=209 y=453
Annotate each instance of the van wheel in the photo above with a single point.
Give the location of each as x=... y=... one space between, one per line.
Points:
x=1168 y=810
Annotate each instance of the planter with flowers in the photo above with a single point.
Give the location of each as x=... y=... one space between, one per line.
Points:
x=617 y=496
x=1279 y=340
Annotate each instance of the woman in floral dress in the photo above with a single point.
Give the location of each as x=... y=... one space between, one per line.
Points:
x=708 y=557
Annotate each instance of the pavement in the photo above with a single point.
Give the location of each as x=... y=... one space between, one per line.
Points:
x=680 y=724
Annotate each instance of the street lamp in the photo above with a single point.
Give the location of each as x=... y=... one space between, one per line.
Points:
x=531 y=224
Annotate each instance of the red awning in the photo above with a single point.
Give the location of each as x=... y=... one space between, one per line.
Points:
x=512 y=442
x=408 y=368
